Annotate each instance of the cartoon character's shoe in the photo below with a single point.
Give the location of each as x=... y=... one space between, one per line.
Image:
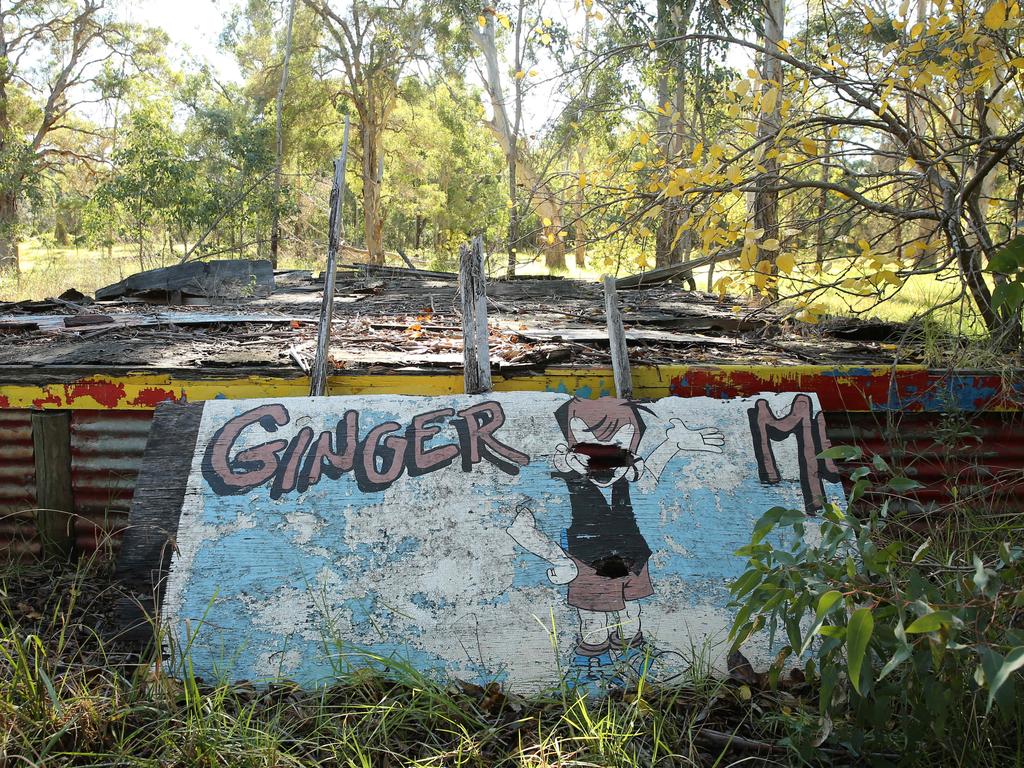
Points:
x=636 y=653
x=593 y=667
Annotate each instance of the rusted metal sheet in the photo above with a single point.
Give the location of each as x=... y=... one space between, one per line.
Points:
x=975 y=460
x=17 y=486
x=106 y=449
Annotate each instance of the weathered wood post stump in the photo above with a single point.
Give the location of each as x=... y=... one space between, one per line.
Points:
x=51 y=442
x=617 y=341
x=476 y=353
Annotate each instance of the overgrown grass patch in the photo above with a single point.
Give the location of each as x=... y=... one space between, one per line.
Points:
x=70 y=694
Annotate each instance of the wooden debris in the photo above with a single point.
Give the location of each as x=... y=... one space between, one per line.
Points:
x=222 y=279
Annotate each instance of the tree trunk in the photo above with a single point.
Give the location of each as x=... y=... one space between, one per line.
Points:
x=513 y=216
x=766 y=198
x=373 y=217
x=9 y=230
x=819 y=243
x=275 y=224
x=580 y=226
x=663 y=251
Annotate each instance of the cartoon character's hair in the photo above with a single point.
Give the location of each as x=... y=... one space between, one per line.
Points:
x=604 y=417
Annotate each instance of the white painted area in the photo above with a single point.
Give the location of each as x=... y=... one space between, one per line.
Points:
x=427 y=570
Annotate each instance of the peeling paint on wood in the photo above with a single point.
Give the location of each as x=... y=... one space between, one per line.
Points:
x=839 y=388
x=518 y=537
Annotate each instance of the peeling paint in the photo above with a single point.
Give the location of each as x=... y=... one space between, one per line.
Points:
x=852 y=389
x=504 y=546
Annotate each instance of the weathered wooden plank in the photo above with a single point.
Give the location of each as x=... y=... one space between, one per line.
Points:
x=513 y=537
x=318 y=371
x=477 y=364
x=617 y=341
x=51 y=444
x=151 y=538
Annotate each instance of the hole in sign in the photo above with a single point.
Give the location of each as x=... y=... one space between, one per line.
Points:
x=604 y=458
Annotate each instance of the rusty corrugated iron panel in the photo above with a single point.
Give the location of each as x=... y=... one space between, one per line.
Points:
x=973 y=459
x=18 y=536
x=106 y=450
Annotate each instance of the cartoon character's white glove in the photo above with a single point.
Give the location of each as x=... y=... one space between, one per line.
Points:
x=565 y=460
x=563 y=572
x=707 y=439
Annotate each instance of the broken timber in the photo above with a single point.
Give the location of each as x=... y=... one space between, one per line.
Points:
x=476 y=352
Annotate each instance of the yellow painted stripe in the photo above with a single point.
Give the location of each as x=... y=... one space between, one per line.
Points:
x=139 y=391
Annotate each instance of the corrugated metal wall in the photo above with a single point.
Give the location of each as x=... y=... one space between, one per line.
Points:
x=972 y=457
x=106 y=451
x=18 y=536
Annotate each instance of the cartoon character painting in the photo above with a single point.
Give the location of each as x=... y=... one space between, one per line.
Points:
x=603 y=556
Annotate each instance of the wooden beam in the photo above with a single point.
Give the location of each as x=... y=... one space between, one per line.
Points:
x=318 y=371
x=617 y=341
x=55 y=501
x=476 y=354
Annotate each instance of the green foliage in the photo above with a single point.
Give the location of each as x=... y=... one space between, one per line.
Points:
x=904 y=644
x=1008 y=263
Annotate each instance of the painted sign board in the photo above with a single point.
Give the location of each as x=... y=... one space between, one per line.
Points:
x=518 y=537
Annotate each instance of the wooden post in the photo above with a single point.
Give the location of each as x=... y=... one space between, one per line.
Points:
x=318 y=371
x=476 y=354
x=617 y=341
x=55 y=502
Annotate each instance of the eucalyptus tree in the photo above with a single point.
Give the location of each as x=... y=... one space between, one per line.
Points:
x=368 y=47
x=52 y=61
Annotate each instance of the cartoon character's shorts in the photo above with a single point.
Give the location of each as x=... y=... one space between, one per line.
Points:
x=592 y=592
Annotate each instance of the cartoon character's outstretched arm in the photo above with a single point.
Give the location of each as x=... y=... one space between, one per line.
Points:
x=525 y=533
x=680 y=437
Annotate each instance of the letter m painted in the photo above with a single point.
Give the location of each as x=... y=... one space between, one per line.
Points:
x=811 y=439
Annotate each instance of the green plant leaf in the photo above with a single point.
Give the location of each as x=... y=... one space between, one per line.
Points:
x=845 y=452
x=930 y=622
x=1009 y=258
x=858 y=635
x=1008 y=295
x=825 y=604
x=1014 y=660
x=901 y=484
x=903 y=653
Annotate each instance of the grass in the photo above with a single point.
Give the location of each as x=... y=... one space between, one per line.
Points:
x=70 y=697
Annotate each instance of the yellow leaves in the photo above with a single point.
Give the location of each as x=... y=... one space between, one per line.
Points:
x=917 y=29
x=533 y=73
x=748 y=256
x=545 y=38
x=547 y=221
x=742 y=88
x=768 y=100
x=520 y=75
x=639 y=165
x=583 y=180
x=550 y=239
x=995 y=16
x=698 y=153
x=644 y=137
x=734 y=174
x=771 y=244
x=785 y=262
x=547 y=23
x=481 y=21
x=652 y=45
x=733 y=110
x=721 y=286
x=762 y=274
x=809 y=146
